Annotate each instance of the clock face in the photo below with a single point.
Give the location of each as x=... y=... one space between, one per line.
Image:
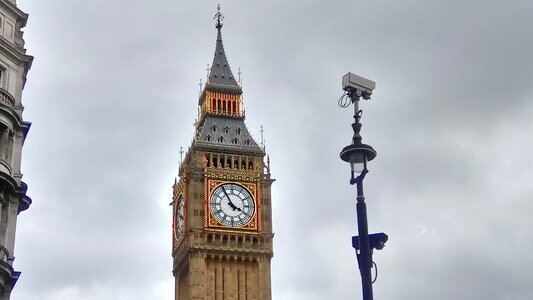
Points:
x=232 y=205
x=180 y=216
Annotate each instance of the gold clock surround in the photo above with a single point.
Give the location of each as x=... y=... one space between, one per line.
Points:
x=211 y=223
x=179 y=190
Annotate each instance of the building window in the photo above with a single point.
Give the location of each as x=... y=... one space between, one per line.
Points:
x=2 y=75
x=5 y=142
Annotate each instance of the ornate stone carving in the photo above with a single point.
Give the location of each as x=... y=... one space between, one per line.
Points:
x=19 y=41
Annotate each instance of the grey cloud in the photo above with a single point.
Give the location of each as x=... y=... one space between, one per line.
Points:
x=112 y=97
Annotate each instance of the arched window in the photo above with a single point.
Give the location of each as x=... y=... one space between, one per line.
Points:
x=208 y=138
x=226 y=130
x=5 y=141
x=221 y=139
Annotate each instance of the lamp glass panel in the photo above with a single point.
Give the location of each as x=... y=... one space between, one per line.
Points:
x=357 y=162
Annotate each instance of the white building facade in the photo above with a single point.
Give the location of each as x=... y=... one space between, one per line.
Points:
x=14 y=66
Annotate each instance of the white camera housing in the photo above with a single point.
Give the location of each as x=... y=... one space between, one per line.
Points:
x=358 y=86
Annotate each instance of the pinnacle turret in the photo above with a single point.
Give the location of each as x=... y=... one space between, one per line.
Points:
x=222 y=94
x=220 y=76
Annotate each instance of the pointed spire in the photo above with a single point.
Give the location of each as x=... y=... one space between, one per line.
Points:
x=221 y=94
x=221 y=74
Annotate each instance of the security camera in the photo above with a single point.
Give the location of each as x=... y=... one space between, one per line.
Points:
x=375 y=241
x=358 y=86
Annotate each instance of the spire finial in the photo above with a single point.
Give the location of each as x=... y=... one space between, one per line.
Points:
x=201 y=86
x=262 y=131
x=239 y=73
x=181 y=155
x=219 y=17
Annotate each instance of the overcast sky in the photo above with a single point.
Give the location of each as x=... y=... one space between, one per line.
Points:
x=112 y=95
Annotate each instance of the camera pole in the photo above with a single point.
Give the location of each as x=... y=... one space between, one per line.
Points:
x=364 y=257
x=358 y=154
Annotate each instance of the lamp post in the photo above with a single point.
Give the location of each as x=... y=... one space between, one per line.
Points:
x=358 y=154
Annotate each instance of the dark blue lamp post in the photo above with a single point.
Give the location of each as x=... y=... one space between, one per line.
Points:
x=358 y=154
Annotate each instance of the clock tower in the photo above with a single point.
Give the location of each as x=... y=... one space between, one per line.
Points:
x=222 y=228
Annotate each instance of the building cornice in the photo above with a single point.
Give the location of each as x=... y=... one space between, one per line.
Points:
x=22 y=17
x=16 y=119
x=8 y=276
x=16 y=55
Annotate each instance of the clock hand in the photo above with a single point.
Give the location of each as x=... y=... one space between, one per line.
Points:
x=226 y=193
x=233 y=206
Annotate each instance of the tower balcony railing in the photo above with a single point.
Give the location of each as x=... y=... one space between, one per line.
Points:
x=6 y=97
x=224 y=112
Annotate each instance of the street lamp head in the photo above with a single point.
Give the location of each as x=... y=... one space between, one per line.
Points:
x=358 y=155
